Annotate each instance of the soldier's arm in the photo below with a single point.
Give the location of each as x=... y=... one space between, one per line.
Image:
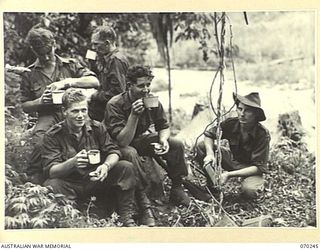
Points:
x=81 y=77
x=34 y=105
x=126 y=135
x=81 y=82
x=63 y=169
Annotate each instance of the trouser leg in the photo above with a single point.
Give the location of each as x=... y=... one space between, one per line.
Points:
x=121 y=180
x=130 y=154
x=200 y=153
x=142 y=200
x=227 y=162
x=251 y=186
x=176 y=164
x=72 y=190
x=125 y=193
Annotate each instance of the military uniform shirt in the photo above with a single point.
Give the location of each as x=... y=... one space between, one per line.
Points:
x=35 y=82
x=60 y=145
x=254 y=151
x=111 y=70
x=118 y=110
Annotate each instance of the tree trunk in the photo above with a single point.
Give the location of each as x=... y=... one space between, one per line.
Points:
x=169 y=81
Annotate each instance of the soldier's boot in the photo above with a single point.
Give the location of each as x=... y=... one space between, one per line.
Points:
x=125 y=207
x=177 y=194
x=144 y=204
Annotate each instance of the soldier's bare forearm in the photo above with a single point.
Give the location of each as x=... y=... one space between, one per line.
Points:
x=63 y=169
x=32 y=106
x=126 y=135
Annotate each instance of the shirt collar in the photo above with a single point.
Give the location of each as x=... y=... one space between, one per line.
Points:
x=87 y=128
x=59 y=61
x=107 y=56
x=236 y=129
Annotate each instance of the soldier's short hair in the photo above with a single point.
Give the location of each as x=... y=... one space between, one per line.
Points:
x=138 y=71
x=105 y=33
x=72 y=95
x=39 y=38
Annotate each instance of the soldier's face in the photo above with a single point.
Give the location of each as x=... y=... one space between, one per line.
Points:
x=246 y=114
x=45 y=54
x=142 y=87
x=76 y=115
x=99 y=46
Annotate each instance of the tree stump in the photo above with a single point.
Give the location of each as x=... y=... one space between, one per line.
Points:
x=289 y=125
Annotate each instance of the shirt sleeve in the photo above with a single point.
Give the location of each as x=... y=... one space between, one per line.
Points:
x=115 y=120
x=117 y=77
x=260 y=154
x=25 y=88
x=51 y=153
x=161 y=121
x=78 y=70
x=211 y=132
x=107 y=146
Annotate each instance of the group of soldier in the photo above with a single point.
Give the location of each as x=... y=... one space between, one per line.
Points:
x=115 y=122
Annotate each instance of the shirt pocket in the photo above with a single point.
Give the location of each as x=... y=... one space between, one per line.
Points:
x=233 y=141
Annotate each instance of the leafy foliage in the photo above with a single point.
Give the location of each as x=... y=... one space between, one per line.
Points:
x=33 y=206
x=73 y=33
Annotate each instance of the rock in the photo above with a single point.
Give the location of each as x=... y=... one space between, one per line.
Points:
x=261 y=221
x=226 y=222
x=289 y=125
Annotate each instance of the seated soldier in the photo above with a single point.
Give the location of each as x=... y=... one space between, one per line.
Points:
x=128 y=121
x=67 y=167
x=249 y=146
x=49 y=72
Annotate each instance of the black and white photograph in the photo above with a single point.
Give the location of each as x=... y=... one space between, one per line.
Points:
x=160 y=119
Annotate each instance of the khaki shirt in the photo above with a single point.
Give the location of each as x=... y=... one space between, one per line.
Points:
x=255 y=151
x=35 y=82
x=60 y=145
x=118 y=110
x=111 y=71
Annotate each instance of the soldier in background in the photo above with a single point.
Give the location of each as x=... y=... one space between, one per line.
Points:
x=110 y=66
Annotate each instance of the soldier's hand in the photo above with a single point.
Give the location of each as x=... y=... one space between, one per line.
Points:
x=164 y=147
x=46 y=97
x=100 y=174
x=81 y=159
x=16 y=69
x=209 y=159
x=224 y=177
x=138 y=107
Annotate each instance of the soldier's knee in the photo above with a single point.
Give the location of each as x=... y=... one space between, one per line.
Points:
x=252 y=187
x=129 y=153
x=55 y=184
x=127 y=173
x=126 y=167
